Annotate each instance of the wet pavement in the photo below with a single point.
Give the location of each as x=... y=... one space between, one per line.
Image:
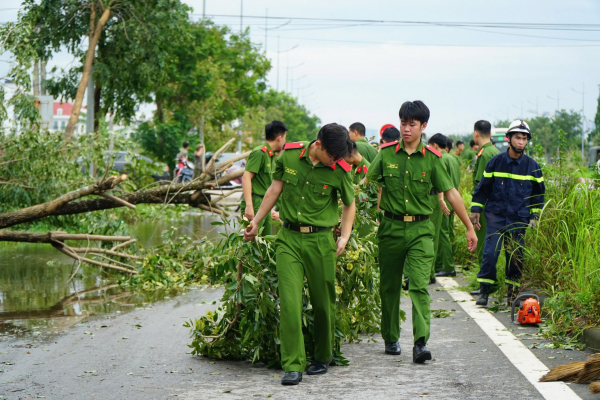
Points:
x=143 y=355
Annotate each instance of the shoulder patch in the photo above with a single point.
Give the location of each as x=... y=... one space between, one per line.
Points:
x=434 y=151
x=383 y=146
x=294 y=145
x=345 y=166
x=480 y=153
x=264 y=149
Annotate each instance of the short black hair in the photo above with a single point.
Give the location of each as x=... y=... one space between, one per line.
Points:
x=438 y=139
x=334 y=140
x=391 y=134
x=483 y=127
x=275 y=129
x=414 y=110
x=450 y=144
x=472 y=143
x=186 y=145
x=459 y=143
x=358 y=128
x=352 y=148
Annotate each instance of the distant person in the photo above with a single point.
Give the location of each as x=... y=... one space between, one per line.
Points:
x=360 y=165
x=389 y=133
x=460 y=148
x=512 y=190
x=357 y=135
x=482 y=134
x=469 y=154
x=259 y=173
x=199 y=159
x=183 y=152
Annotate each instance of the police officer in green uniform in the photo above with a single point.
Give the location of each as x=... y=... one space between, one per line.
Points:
x=311 y=177
x=359 y=163
x=469 y=154
x=482 y=135
x=445 y=256
x=357 y=135
x=259 y=172
x=409 y=170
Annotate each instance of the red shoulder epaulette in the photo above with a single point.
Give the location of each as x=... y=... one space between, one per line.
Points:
x=388 y=144
x=434 y=151
x=264 y=149
x=292 y=146
x=345 y=166
x=480 y=152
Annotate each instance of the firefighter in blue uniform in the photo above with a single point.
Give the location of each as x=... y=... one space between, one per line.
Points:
x=512 y=191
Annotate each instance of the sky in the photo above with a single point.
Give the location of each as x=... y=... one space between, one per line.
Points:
x=349 y=71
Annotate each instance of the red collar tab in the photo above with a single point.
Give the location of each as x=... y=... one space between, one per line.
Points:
x=397 y=147
x=362 y=169
x=292 y=146
x=423 y=149
x=480 y=152
x=365 y=169
x=345 y=166
x=302 y=153
x=434 y=151
x=264 y=149
x=383 y=146
x=270 y=153
x=359 y=170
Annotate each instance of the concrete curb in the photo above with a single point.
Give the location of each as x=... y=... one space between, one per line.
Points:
x=591 y=338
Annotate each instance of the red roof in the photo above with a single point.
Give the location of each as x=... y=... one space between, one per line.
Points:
x=66 y=108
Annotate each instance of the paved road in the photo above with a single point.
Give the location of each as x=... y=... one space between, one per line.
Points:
x=142 y=355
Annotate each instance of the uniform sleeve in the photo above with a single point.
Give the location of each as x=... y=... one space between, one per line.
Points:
x=347 y=188
x=440 y=178
x=481 y=167
x=255 y=161
x=536 y=202
x=375 y=171
x=278 y=173
x=483 y=189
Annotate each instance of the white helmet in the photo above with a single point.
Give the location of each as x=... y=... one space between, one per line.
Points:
x=519 y=126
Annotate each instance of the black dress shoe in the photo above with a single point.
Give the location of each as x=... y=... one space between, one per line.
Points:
x=421 y=354
x=446 y=273
x=392 y=348
x=317 y=368
x=291 y=378
x=432 y=281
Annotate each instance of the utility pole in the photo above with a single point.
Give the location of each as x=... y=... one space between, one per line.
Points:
x=582 y=115
x=266 y=28
x=557 y=101
x=288 y=62
x=278 y=63
x=241 y=15
x=203 y=9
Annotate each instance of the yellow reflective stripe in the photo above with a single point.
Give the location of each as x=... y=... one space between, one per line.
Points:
x=513 y=176
x=481 y=280
x=473 y=204
x=535 y=210
x=517 y=284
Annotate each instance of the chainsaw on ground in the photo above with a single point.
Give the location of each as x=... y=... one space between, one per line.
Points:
x=529 y=309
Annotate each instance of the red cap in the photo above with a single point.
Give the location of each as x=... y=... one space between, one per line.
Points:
x=383 y=128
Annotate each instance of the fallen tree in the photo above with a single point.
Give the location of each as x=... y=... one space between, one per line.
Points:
x=199 y=193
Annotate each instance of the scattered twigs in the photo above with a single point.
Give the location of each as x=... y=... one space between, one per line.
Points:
x=64 y=249
x=127 y=243
x=19 y=185
x=105 y=251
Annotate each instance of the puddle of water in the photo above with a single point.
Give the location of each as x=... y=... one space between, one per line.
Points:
x=35 y=296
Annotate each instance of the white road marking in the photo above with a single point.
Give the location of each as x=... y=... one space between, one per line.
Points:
x=516 y=352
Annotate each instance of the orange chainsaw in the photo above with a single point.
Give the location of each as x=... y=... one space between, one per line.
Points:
x=529 y=309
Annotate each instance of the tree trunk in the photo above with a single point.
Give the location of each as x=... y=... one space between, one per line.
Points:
x=96 y=28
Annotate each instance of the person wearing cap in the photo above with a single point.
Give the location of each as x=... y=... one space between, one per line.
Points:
x=408 y=171
x=388 y=133
x=310 y=177
x=357 y=135
x=259 y=172
x=512 y=190
x=482 y=134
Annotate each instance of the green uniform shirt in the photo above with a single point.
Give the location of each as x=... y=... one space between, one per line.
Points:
x=408 y=179
x=468 y=155
x=310 y=192
x=452 y=166
x=260 y=161
x=483 y=157
x=366 y=150
x=361 y=170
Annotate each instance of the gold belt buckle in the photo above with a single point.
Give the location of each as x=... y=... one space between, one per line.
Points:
x=408 y=218
x=305 y=229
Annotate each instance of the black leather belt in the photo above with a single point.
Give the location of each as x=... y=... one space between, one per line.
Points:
x=433 y=192
x=304 y=229
x=406 y=218
x=257 y=195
